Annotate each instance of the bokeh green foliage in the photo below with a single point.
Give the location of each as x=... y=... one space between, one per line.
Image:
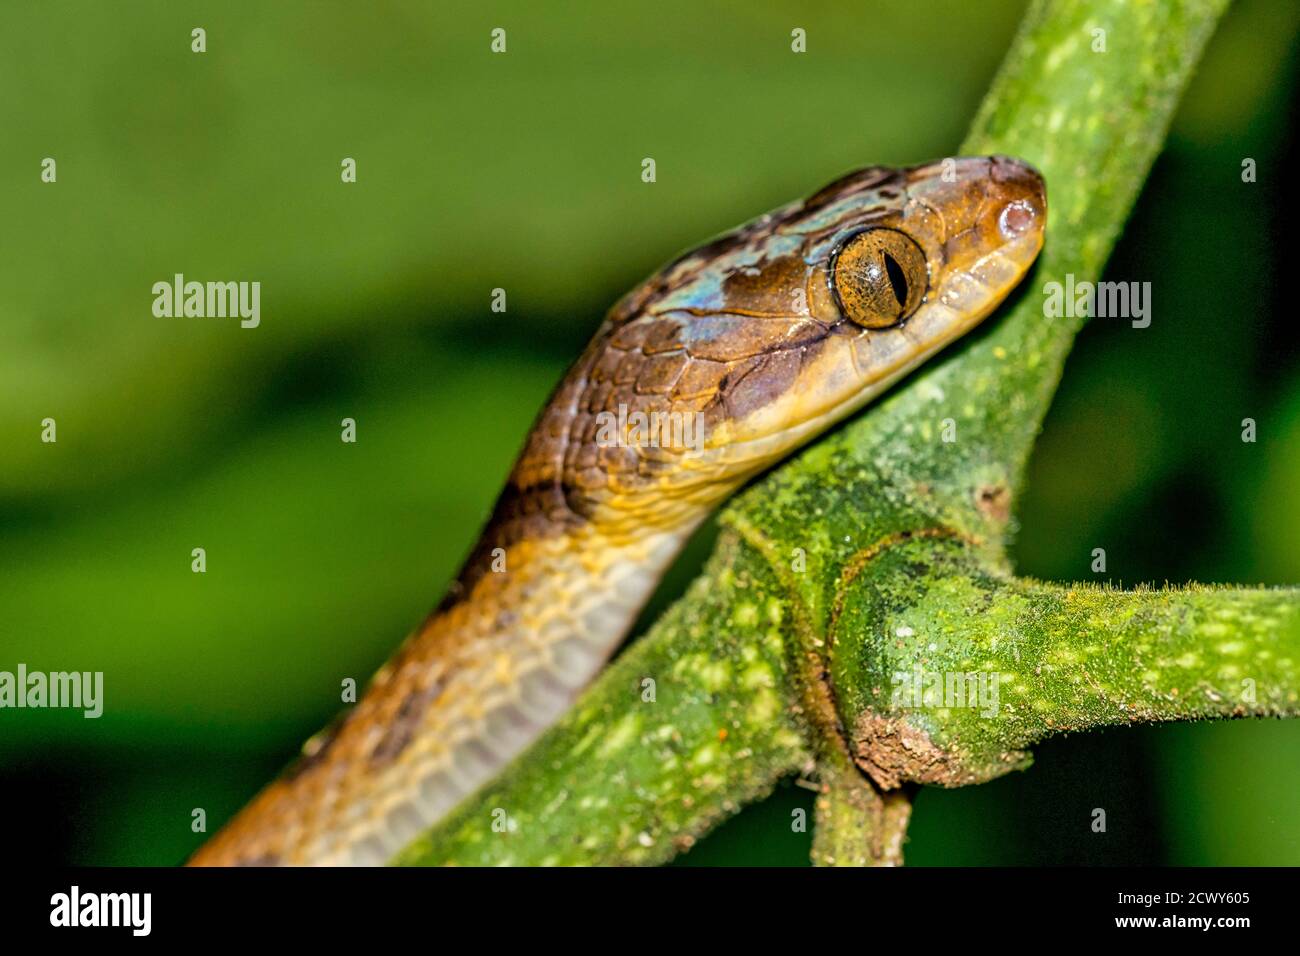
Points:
x=522 y=171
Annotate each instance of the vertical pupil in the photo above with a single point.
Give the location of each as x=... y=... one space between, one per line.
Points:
x=897 y=281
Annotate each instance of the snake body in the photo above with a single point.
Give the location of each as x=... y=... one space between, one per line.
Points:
x=744 y=348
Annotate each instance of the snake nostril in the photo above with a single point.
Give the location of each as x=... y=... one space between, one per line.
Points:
x=1017 y=218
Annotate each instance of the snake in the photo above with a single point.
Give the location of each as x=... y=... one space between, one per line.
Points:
x=706 y=374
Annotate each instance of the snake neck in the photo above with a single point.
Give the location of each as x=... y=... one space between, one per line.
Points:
x=538 y=609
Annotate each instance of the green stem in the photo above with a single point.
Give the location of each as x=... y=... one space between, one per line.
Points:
x=858 y=825
x=947 y=676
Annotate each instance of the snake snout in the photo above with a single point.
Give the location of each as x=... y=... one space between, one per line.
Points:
x=1019 y=196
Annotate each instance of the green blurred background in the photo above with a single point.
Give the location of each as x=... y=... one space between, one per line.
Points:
x=523 y=171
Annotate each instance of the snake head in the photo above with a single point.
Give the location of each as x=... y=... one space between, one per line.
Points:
x=770 y=333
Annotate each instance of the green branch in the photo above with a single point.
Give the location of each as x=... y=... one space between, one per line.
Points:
x=947 y=676
x=882 y=548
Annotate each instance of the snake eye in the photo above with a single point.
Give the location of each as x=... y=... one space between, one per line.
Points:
x=880 y=277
